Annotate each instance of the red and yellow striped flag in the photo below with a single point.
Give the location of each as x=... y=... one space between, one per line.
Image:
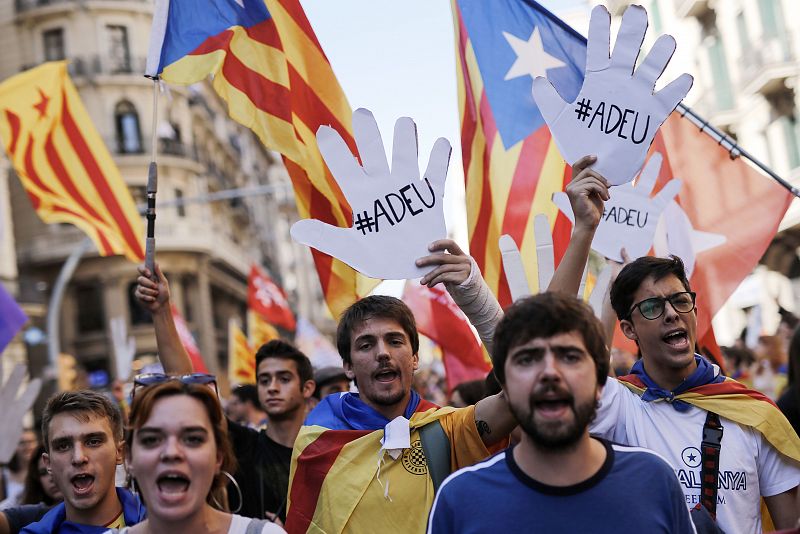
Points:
x=260 y=331
x=241 y=357
x=66 y=170
x=270 y=68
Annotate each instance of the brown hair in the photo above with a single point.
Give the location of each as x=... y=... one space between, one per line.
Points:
x=546 y=315
x=142 y=407
x=375 y=306
x=34 y=491
x=81 y=404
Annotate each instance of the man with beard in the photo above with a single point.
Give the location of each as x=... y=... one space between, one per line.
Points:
x=285 y=381
x=552 y=361
x=82 y=436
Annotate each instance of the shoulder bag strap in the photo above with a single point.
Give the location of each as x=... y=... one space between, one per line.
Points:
x=436 y=447
x=709 y=456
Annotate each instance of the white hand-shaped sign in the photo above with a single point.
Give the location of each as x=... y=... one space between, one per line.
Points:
x=14 y=409
x=675 y=234
x=616 y=115
x=630 y=217
x=515 y=269
x=395 y=214
x=124 y=348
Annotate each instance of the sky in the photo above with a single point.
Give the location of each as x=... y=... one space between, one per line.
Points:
x=397 y=58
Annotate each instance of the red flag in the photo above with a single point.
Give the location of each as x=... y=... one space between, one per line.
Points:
x=268 y=300
x=187 y=340
x=440 y=319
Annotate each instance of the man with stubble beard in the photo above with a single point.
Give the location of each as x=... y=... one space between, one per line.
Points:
x=552 y=361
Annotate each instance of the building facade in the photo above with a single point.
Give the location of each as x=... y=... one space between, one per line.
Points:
x=204 y=248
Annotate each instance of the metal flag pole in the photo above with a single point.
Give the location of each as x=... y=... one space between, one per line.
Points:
x=729 y=144
x=152 y=187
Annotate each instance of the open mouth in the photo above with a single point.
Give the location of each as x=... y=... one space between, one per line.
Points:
x=172 y=483
x=677 y=339
x=386 y=375
x=82 y=484
x=552 y=407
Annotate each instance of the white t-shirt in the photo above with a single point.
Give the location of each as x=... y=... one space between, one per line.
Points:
x=749 y=466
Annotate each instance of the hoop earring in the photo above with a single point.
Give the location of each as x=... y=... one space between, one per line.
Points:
x=238 y=490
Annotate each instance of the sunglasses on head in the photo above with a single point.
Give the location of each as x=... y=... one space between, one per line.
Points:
x=653 y=308
x=151 y=379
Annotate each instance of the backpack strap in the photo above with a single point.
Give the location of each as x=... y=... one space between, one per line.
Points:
x=709 y=458
x=436 y=447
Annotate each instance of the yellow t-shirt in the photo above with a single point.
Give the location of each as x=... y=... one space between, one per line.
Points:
x=401 y=495
x=118 y=522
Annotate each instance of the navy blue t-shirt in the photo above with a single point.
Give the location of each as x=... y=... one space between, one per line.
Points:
x=634 y=491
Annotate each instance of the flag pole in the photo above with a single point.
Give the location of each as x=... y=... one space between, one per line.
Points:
x=729 y=144
x=152 y=187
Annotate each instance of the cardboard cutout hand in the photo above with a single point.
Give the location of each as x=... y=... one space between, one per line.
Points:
x=630 y=217
x=616 y=115
x=124 y=348
x=14 y=409
x=395 y=214
x=545 y=261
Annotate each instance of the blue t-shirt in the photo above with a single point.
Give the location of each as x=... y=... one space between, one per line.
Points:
x=634 y=491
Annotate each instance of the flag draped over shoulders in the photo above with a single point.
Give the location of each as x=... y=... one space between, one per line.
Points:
x=335 y=460
x=66 y=170
x=271 y=70
x=708 y=390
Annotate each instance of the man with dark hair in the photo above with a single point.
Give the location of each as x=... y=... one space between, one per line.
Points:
x=284 y=377
x=551 y=358
x=82 y=436
x=673 y=397
x=370 y=461
x=245 y=408
x=330 y=380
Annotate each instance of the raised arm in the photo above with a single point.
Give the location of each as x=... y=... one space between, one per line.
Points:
x=154 y=295
x=462 y=279
x=494 y=419
x=586 y=191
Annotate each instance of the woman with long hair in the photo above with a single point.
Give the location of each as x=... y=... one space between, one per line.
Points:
x=179 y=458
x=39 y=484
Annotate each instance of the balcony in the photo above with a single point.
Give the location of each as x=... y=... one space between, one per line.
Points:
x=691 y=8
x=764 y=68
x=32 y=6
x=91 y=66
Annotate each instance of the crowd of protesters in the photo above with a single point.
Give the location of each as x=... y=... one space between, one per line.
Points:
x=564 y=435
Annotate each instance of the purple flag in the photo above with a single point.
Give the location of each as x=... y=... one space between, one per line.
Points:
x=11 y=318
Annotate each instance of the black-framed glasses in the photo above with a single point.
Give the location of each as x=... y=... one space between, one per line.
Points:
x=151 y=379
x=653 y=308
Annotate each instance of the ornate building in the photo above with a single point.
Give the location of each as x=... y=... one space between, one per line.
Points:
x=204 y=248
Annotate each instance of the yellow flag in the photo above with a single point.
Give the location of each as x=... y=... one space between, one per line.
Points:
x=260 y=330
x=64 y=166
x=241 y=357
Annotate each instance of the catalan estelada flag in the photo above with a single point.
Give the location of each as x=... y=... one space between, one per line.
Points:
x=241 y=357
x=66 y=170
x=736 y=402
x=270 y=68
x=512 y=166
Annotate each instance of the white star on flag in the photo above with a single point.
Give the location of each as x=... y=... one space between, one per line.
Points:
x=531 y=60
x=240 y=2
x=675 y=234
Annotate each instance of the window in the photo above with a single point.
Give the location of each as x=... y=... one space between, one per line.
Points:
x=790 y=136
x=655 y=16
x=719 y=70
x=54 y=44
x=741 y=28
x=118 y=50
x=769 y=11
x=180 y=207
x=129 y=136
x=90 y=307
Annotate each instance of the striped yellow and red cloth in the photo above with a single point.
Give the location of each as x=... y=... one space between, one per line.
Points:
x=271 y=70
x=66 y=170
x=341 y=480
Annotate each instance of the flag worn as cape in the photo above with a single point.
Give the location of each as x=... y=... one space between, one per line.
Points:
x=55 y=520
x=732 y=400
x=335 y=460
